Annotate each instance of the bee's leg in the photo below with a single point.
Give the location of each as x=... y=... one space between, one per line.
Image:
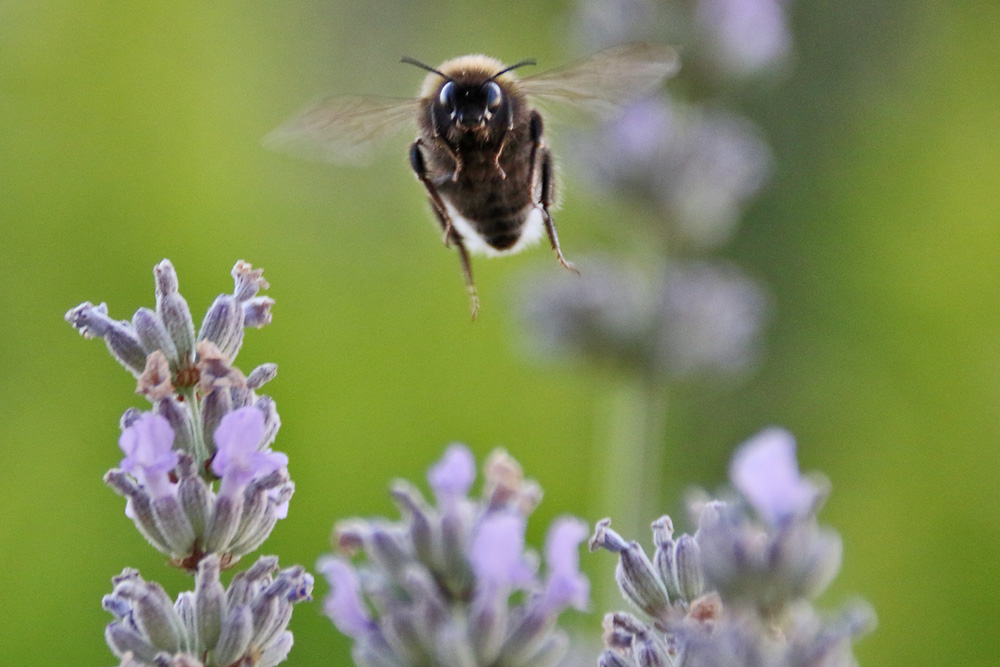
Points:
x=441 y=213
x=470 y=284
x=541 y=160
x=420 y=169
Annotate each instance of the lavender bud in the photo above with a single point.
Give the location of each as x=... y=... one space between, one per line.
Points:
x=687 y=572
x=184 y=606
x=224 y=522
x=488 y=627
x=403 y=636
x=123 y=639
x=139 y=507
x=234 y=636
x=636 y=577
x=257 y=312
x=120 y=337
x=425 y=542
x=650 y=653
x=196 y=499
x=154 y=614
x=173 y=309
x=386 y=548
x=178 y=414
x=223 y=326
x=248 y=280
x=214 y=407
x=261 y=376
x=209 y=599
x=272 y=422
x=276 y=651
x=129 y=417
x=173 y=524
x=153 y=334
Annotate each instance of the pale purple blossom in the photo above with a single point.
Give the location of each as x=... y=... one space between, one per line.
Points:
x=497 y=553
x=565 y=585
x=453 y=475
x=343 y=603
x=148 y=454
x=743 y=37
x=237 y=459
x=765 y=471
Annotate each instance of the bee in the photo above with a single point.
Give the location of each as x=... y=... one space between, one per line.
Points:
x=481 y=153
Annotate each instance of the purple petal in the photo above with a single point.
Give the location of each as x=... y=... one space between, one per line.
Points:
x=237 y=459
x=453 y=475
x=343 y=603
x=765 y=471
x=148 y=454
x=566 y=585
x=496 y=553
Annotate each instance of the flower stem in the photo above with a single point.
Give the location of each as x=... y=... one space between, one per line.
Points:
x=631 y=458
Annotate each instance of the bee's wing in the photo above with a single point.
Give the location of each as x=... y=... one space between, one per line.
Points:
x=606 y=81
x=342 y=130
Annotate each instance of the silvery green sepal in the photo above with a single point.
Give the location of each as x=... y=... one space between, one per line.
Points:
x=209 y=627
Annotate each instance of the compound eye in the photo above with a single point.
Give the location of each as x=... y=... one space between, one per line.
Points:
x=447 y=97
x=493 y=94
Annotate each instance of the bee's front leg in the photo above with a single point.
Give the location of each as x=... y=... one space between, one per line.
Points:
x=441 y=213
x=419 y=167
x=541 y=164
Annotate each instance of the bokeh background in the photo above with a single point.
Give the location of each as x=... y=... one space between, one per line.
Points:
x=130 y=132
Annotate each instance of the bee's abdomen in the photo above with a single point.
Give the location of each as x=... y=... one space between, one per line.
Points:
x=502 y=232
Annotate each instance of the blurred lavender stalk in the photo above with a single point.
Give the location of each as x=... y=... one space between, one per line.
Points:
x=208 y=424
x=669 y=313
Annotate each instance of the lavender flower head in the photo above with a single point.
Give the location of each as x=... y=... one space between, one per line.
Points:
x=681 y=320
x=452 y=584
x=207 y=422
x=740 y=590
x=209 y=626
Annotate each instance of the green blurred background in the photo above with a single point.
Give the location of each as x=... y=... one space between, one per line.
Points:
x=129 y=133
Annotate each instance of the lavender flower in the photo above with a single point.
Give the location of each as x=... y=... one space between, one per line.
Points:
x=685 y=319
x=739 y=591
x=698 y=166
x=186 y=519
x=453 y=584
x=207 y=422
x=209 y=626
x=742 y=37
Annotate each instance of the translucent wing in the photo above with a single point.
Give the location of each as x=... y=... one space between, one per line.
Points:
x=606 y=81
x=342 y=130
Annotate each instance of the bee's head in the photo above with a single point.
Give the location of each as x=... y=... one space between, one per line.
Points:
x=474 y=95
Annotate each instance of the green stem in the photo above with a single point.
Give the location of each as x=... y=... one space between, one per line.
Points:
x=631 y=463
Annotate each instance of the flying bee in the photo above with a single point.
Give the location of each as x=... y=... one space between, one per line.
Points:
x=481 y=153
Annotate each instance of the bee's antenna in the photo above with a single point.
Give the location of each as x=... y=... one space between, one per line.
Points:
x=413 y=61
x=528 y=61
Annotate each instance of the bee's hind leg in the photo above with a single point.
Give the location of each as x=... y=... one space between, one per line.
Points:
x=420 y=170
x=541 y=162
x=441 y=213
x=546 y=197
